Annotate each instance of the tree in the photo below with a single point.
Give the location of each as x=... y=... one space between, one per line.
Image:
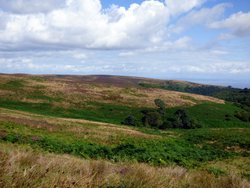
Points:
x=182 y=120
x=153 y=119
x=166 y=125
x=130 y=120
x=161 y=105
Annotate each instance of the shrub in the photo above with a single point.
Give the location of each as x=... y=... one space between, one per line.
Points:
x=183 y=121
x=130 y=120
x=153 y=119
x=161 y=105
x=166 y=125
x=243 y=116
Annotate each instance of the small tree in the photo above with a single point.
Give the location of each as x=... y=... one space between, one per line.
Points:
x=161 y=105
x=130 y=120
x=182 y=120
x=153 y=119
x=166 y=125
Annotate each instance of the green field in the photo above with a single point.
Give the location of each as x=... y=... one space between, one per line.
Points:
x=48 y=121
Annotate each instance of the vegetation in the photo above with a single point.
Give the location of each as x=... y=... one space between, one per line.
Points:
x=206 y=114
x=200 y=142
x=239 y=96
x=183 y=121
x=25 y=167
x=159 y=120
x=130 y=120
x=243 y=115
x=161 y=106
x=185 y=148
x=13 y=84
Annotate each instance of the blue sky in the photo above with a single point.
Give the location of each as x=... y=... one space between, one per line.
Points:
x=197 y=40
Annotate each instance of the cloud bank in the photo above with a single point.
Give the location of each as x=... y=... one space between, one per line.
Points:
x=85 y=24
x=238 y=24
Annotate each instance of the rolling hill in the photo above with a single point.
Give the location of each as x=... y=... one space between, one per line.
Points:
x=68 y=131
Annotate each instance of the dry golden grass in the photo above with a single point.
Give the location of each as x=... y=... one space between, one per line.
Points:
x=23 y=167
x=238 y=165
x=131 y=96
x=76 y=91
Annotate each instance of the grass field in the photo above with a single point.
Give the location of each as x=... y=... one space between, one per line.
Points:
x=82 y=128
x=22 y=166
x=119 y=143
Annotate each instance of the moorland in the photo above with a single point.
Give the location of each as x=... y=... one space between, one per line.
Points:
x=115 y=131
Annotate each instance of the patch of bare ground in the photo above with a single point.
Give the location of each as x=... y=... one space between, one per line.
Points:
x=24 y=167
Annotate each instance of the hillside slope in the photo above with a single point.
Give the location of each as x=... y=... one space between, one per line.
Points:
x=196 y=158
x=82 y=89
x=42 y=118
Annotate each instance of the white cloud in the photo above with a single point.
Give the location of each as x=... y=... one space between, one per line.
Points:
x=30 y=6
x=212 y=68
x=181 y=6
x=238 y=23
x=79 y=55
x=15 y=63
x=85 y=24
x=127 y=53
x=219 y=52
x=179 y=44
x=204 y=16
x=19 y=64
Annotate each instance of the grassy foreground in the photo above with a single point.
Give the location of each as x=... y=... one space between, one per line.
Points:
x=24 y=167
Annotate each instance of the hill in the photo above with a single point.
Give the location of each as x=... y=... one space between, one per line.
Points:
x=51 y=124
x=236 y=95
x=89 y=97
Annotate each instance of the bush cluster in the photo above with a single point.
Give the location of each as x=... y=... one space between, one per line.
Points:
x=158 y=118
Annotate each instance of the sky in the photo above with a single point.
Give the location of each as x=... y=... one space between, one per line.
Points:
x=205 y=41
